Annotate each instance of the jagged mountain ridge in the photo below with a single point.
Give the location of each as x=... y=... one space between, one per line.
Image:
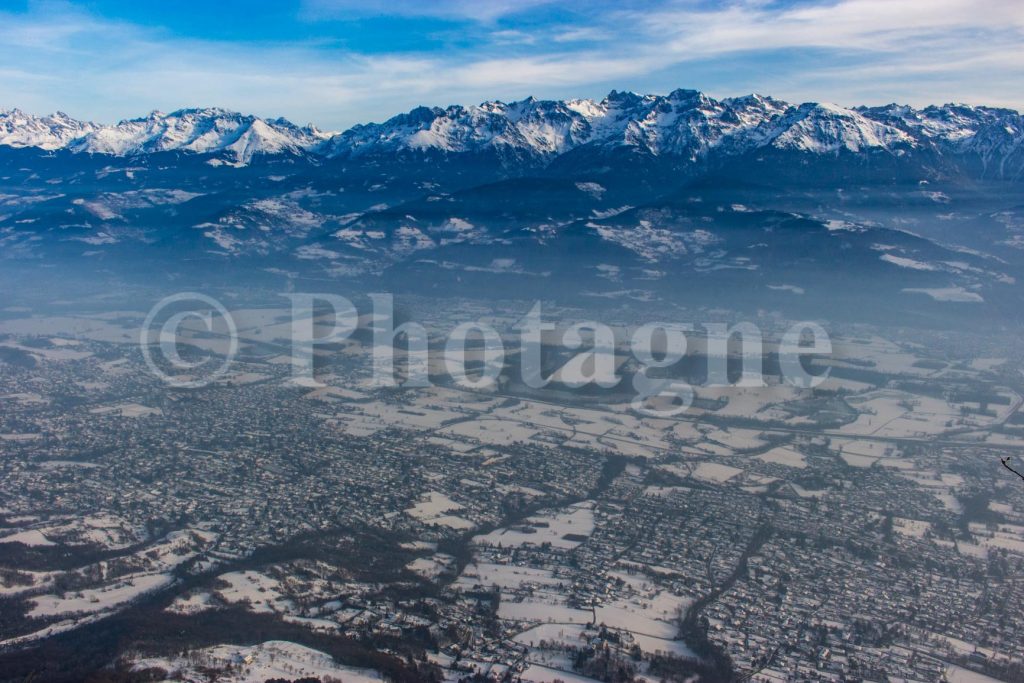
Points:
x=200 y=131
x=18 y=129
x=685 y=125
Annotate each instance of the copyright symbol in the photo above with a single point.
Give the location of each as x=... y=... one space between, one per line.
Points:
x=173 y=312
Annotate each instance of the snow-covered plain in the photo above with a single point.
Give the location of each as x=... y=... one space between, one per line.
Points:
x=241 y=664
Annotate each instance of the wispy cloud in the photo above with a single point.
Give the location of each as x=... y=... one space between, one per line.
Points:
x=867 y=25
x=476 y=10
x=581 y=34
x=850 y=51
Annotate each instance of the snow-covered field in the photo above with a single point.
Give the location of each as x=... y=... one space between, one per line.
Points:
x=714 y=472
x=30 y=537
x=241 y=664
x=506 y=576
x=91 y=600
x=435 y=509
x=431 y=567
x=254 y=589
x=126 y=410
x=541 y=611
x=540 y=529
x=784 y=455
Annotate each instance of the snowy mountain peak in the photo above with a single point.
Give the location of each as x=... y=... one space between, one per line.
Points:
x=825 y=128
x=202 y=131
x=18 y=129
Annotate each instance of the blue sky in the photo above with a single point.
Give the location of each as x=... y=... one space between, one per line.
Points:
x=340 y=62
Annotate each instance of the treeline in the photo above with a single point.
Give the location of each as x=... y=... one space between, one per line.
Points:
x=92 y=654
x=60 y=557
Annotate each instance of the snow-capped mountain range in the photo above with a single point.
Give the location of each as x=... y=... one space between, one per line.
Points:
x=200 y=131
x=685 y=125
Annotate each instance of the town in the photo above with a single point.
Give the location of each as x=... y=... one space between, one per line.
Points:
x=863 y=527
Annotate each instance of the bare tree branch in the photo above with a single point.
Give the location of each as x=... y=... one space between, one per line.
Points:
x=1006 y=464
